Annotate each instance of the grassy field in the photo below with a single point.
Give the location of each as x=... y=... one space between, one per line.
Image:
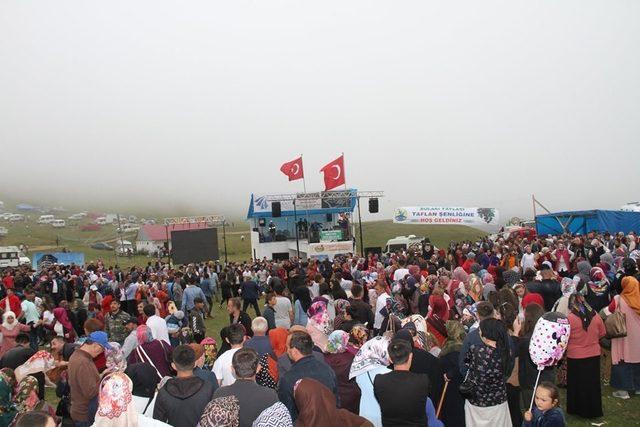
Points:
x=42 y=237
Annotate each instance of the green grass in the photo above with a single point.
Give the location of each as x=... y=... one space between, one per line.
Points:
x=376 y=233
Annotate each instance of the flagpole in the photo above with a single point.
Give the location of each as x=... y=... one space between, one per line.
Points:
x=306 y=210
x=344 y=172
x=304 y=180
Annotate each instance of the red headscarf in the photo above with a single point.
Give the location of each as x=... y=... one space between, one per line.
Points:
x=532 y=298
x=60 y=315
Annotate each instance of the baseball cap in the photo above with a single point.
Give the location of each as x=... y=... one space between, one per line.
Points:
x=99 y=337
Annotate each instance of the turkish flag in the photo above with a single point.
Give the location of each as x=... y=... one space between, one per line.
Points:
x=333 y=173
x=293 y=169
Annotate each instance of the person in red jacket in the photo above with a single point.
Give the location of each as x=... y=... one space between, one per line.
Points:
x=13 y=302
x=471 y=259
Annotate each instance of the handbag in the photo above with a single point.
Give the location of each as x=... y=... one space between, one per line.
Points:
x=467 y=387
x=616 y=323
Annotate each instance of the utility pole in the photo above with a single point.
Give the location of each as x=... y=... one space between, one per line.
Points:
x=120 y=234
x=224 y=240
x=360 y=226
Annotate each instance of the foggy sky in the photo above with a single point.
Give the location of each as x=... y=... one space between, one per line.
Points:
x=193 y=105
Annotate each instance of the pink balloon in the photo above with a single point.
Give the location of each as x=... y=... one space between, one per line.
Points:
x=549 y=339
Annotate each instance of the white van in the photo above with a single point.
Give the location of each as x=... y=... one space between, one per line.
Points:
x=101 y=220
x=401 y=243
x=9 y=256
x=16 y=217
x=58 y=223
x=46 y=219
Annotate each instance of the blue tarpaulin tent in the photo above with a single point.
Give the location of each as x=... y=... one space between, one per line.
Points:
x=585 y=221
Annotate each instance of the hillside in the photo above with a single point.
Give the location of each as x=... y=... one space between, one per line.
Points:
x=376 y=233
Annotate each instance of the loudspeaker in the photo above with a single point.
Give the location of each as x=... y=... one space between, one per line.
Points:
x=329 y=217
x=276 y=211
x=373 y=205
x=262 y=222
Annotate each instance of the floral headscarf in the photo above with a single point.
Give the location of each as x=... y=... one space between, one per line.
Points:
x=319 y=316
x=341 y=306
x=210 y=352
x=372 y=354
x=26 y=397
x=337 y=342
x=599 y=283
x=221 y=412
x=568 y=286
x=358 y=335
x=475 y=287
x=42 y=361
x=115 y=358
x=144 y=334
x=115 y=402
x=420 y=325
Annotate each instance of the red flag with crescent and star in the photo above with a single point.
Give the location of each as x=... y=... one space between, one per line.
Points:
x=293 y=169
x=333 y=173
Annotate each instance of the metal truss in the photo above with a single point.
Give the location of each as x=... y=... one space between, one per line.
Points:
x=324 y=195
x=208 y=219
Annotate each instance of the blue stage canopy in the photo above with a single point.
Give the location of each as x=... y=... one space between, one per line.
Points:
x=583 y=222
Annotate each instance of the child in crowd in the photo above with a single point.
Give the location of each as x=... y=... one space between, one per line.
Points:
x=547 y=412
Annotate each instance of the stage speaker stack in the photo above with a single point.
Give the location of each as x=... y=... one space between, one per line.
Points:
x=373 y=205
x=276 y=211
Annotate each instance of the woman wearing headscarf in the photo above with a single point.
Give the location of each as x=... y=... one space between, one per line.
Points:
x=625 y=352
x=583 y=359
x=358 y=335
x=276 y=415
x=26 y=398
x=598 y=289
x=568 y=287
x=210 y=352
x=437 y=317
x=453 y=405
x=487 y=365
x=9 y=330
x=61 y=317
x=7 y=408
x=341 y=306
x=155 y=352
x=116 y=407
x=371 y=360
x=420 y=325
x=278 y=340
x=319 y=324
x=339 y=359
x=221 y=412
x=527 y=370
x=317 y=407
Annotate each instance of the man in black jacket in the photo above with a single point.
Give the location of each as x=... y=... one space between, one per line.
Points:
x=253 y=399
x=362 y=311
x=305 y=365
x=182 y=399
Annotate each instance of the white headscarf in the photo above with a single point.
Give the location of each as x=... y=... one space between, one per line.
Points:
x=6 y=324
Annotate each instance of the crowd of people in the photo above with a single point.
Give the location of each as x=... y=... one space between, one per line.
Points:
x=423 y=336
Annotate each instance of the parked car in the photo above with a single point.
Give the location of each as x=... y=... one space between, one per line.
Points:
x=127 y=228
x=90 y=227
x=58 y=223
x=5 y=216
x=101 y=220
x=16 y=218
x=3 y=231
x=102 y=246
x=46 y=219
x=76 y=217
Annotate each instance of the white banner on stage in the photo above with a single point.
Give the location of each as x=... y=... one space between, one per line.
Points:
x=445 y=215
